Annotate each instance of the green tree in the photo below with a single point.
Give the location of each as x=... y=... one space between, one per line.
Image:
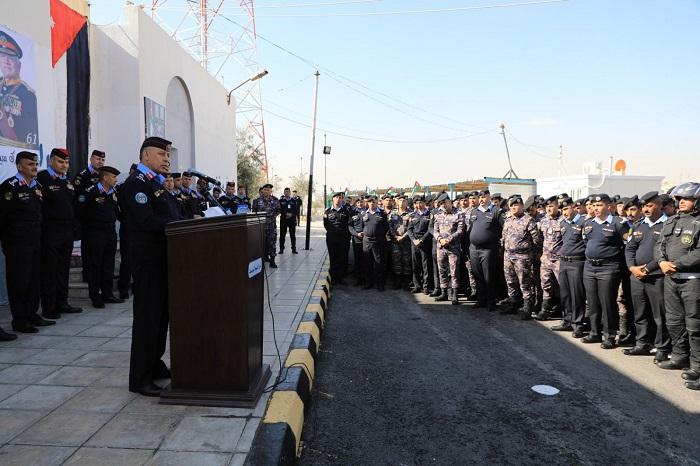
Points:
x=250 y=163
x=300 y=184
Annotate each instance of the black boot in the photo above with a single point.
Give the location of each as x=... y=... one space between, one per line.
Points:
x=436 y=292
x=526 y=311
x=4 y=336
x=397 y=282
x=272 y=263
x=454 y=298
x=442 y=296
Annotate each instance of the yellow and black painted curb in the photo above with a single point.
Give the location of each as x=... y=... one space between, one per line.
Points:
x=278 y=439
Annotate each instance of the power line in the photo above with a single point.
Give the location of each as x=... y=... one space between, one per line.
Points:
x=529 y=148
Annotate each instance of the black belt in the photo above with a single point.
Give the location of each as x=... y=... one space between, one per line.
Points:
x=600 y=262
x=572 y=258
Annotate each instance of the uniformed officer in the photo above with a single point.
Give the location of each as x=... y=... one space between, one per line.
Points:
x=216 y=193
x=447 y=233
x=147 y=212
x=646 y=283
x=355 y=227
x=175 y=203
x=400 y=243
x=20 y=234
x=603 y=236
x=550 y=230
x=57 y=229
x=97 y=210
x=668 y=205
x=421 y=245
x=190 y=197
x=572 y=256
x=89 y=176
x=270 y=205
x=227 y=199
x=631 y=213
x=431 y=200
x=204 y=195
x=678 y=254
x=289 y=216
x=18 y=112
x=336 y=220
x=124 y=282
x=484 y=238
x=297 y=198
x=374 y=244
x=519 y=240
x=472 y=203
x=242 y=201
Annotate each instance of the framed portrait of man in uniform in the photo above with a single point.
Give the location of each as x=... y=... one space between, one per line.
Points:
x=19 y=127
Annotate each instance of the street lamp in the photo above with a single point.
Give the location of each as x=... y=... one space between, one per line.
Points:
x=251 y=79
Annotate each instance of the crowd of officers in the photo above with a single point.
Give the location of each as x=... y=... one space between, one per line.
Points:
x=615 y=271
x=43 y=212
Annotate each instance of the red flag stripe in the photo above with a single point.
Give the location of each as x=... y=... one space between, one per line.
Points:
x=65 y=25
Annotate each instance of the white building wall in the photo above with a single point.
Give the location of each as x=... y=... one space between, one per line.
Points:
x=579 y=186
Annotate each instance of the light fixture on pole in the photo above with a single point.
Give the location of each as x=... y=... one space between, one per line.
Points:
x=251 y=79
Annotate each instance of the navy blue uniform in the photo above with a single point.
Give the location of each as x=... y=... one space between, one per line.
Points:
x=147 y=210
x=124 y=282
x=485 y=231
x=419 y=229
x=289 y=216
x=355 y=227
x=57 y=230
x=601 y=273
x=20 y=233
x=336 y=222
x=374 y=245
x=571 y=263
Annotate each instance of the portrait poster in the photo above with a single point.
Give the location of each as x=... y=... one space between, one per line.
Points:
x=155 y=118
x=19 y=125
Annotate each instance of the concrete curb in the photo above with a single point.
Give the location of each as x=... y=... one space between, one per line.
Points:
x=278 y=439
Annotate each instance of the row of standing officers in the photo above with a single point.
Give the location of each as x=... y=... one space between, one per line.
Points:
x=613 y=278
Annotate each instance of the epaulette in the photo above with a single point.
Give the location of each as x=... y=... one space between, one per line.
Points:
x=13 y=181
x=141 y=177
x=91 y=188
x=29 y=88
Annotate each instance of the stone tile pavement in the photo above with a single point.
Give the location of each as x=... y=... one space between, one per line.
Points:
x=64 y=396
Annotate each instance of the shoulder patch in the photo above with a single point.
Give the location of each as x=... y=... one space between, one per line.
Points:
x=8 y=196
x=81 y=198
x=141 y=198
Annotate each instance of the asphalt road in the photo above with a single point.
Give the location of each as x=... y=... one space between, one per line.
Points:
x=402 y=380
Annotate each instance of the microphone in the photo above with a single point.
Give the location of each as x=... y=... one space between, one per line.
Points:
x=206 y=178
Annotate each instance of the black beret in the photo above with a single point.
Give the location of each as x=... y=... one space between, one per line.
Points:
x=581 y=202
x=108 y=169
x=133 y=166
x=169 y=175
x=632 y=201
x=590 y=198
x=156 y=142
x=217 y=189
x=8 y=46
x=442 y=198
x=459 y=196
x=176 y=175
x=429 y=198
x=25 y=155
x=474 y=194
x=188 y=174
x=484 y=192
x=552 y=200
x=648 y=197
x=530 y=202
x=336 y=194
x=666 y=199
x=230 y=183
x=601 y=198
x=98 y=153
x=419 y=198
x=566 y=202
x=563 y=196
x=401 y=196
x=269 y=186
x=60 y=152
x=616 y=197
x=515 y=200
x=387 y=196
x=620 y=200
x=498 y=195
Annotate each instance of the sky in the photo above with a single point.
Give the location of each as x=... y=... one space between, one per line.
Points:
x=599 y=78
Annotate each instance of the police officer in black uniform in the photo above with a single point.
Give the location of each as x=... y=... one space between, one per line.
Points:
x=484 y=232
x=572 y=257
x=678 y=255
x=190 y=197
x=175 y=202
x=421 y=245
x=355 y=228
x=374 y=244
x=226 y=199
x=647 y=281
x=57 y=229
x=18 y=112
x=289 y=216
x=297 y=198
x=20 y=233
x=124 y=282
x=90 y=176
x=335 y=221
x=603 y=235
x=147 y=211
x=242 y=201
x=97 y=209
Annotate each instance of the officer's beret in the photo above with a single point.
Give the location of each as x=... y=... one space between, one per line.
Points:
x=590 y=198
x=442 y=198
x=187 y=174
x=98 y=153
x=515 y=200
x=566 y=202
x=133 y=167
x=338 y=193
x=216 y=189
x=25 y=155
x=158 y=143
x=484 y=192
x=387 y=196
x=620 y=200
x=231 y=184
x=59 y=152
x=108 y=169
x=401 y=196
x=169 y=175
x=563 y=196
x=666 y=199
x=419 y=198
x=615 y=198
x=601 y=198
x=530 y=202
x=459 y=196
x=9 y=46
x=552 y=200
x=269 y=186
x=649 y=197
x=176 y=175
x=498 y=195
x=632 y=201
x=474 y=194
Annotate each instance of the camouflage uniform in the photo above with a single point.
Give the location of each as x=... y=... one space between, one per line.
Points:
x=549 y=268
x=537 y=264
x=271 y=207
x=400 y=250
x=449 y=226
x=520 y=239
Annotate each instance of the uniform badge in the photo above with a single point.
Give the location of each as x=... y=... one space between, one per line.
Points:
x=687 y=239
x=158 y=193
x=38 y=193
x=77 y=181
x=81 y=198
x=8 y=196
x=141 y=198
x=70 y=186
x=10 y=121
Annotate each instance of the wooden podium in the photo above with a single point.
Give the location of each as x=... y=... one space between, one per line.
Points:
x=215 y=293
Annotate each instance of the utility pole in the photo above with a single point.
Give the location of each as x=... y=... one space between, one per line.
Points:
x=325 y=159
x=510 y=174
x=561 y=160
x=311 y=166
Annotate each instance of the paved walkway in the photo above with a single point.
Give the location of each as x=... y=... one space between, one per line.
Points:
x=64 y=396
